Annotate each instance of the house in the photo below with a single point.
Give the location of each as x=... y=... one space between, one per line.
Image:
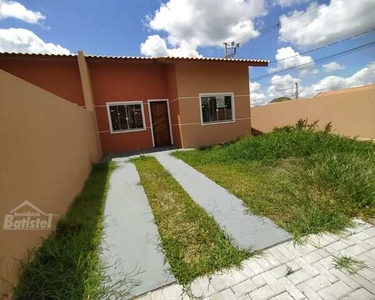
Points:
x=140 y=102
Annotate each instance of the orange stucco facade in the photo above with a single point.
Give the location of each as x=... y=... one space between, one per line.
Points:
x=97 y=81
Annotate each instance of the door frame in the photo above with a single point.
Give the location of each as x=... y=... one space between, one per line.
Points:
x=169 y=119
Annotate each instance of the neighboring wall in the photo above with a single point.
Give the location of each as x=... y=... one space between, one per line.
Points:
x=351 y=114
x=196 y=78
x=47 y=147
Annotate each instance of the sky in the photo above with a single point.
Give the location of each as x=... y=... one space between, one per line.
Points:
x=281 y=31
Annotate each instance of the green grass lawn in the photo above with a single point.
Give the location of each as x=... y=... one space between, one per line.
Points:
x=68 y=264
x=192 y=241
x=306 y=181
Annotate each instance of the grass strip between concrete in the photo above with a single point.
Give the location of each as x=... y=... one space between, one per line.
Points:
x=192 y=241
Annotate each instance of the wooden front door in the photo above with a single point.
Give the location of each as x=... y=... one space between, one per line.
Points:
x=160 y=123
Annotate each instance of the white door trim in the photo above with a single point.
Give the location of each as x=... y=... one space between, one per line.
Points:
x=169 y=119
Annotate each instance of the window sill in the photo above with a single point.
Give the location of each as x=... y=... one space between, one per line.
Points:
x=218 y=123
x=128 y=131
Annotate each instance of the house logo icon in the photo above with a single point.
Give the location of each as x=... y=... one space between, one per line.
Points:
x=27 y=216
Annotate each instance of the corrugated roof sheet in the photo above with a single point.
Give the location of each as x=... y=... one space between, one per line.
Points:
x=38 y=54
x=348 y=90
x=143 y=57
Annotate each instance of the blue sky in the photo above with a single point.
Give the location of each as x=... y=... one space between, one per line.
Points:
x=198 y=28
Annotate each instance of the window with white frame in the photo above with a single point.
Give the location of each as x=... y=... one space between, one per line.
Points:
x=217 y=108
x=126 y=116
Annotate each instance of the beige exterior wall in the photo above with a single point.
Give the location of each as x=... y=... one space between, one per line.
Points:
x=47 y=147
x=352 y=114
x=194 y=79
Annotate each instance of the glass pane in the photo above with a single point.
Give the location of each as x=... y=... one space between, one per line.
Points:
x=216 y=108
x=134 y=112
x=114 y=119
x=122 y=117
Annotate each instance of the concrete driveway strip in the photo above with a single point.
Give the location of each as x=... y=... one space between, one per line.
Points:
x=247 y=230
x=131 y=236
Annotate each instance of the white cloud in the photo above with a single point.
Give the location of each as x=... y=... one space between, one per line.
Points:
x=282 y=86
x=288 y=58
x=155 y=46
x=23 y=40
x=13 y=9
x=362 y=77
x=286 y=3
x=257 y=96
x=324 y=24
x=333 y=66
x=191 y=24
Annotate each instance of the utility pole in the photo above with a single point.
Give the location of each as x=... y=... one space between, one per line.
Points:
x=296 y=90
x=232 y=45
x=226 y=49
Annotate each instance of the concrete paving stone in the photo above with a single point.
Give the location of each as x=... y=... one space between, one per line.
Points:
x=370 y=254
x=263 y=263
x=371 y=241
x=337 y=246
x=370 y=231
x=291 y=289
x=254 y=266
x=298 y=277
x=278 y=255
x=336 y=290
x=356 y=249
x=368 y=273
x=327 y=262
x=290 y=255
x=237 y=275
x=244 y=297
x=271 y=259
x=318 y=282
x=280 y=271
x=306 y=248
x=263 y=293
x=308 y=292
x=247 y=230
x=283 y=296
x=244 y=287
x=258 y=281
x=157 y=295
x=217 y=281
x=206 y=286
x=228 y=294
x=362 y=236
x=361 y=294
x=171 y=292
x=196 y=289
x=327 y=239
x=247 y=270
x=218 y=296
x=146 y=297
x=363 y=282
x=273 y=282
x=312 y=257
x=306 y=266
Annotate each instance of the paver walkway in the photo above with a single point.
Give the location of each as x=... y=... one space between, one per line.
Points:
x=247 y=230
x=293 y=272
x=131 y=236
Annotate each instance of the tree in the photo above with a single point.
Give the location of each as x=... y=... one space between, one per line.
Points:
x=280 y=99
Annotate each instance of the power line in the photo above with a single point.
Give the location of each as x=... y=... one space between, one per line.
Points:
x=322 y=47
x=339 y=54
